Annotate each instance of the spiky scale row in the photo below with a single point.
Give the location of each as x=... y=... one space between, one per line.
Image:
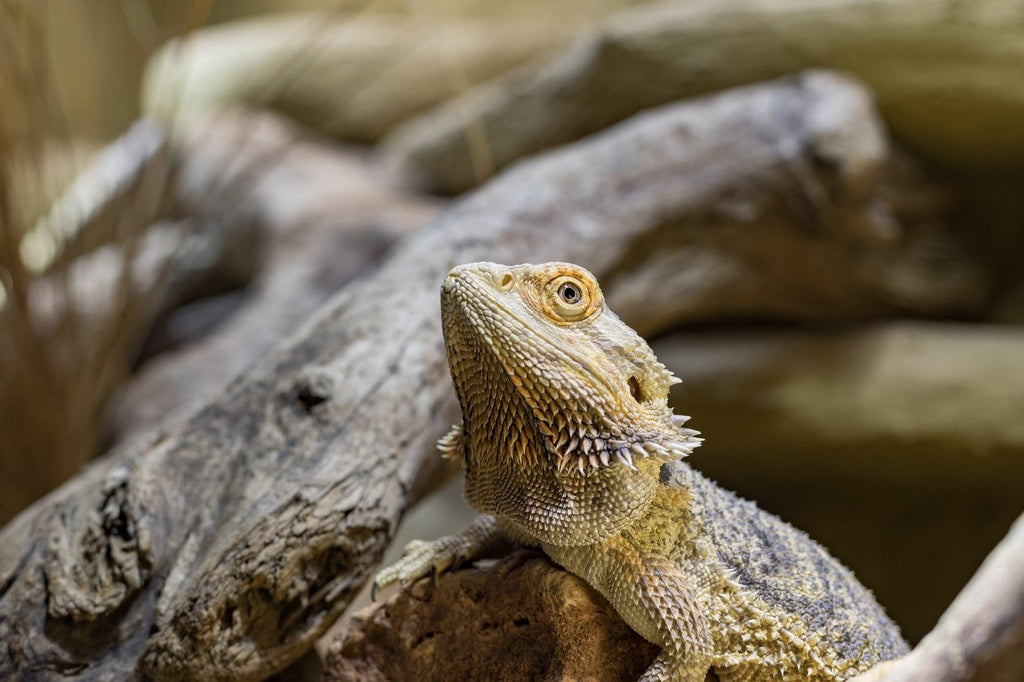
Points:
x=593 y=453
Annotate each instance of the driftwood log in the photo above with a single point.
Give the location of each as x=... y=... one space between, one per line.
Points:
x=962 y=109
x=326 y=217
x=224 y=543
x=849 y=391
x=354 y=71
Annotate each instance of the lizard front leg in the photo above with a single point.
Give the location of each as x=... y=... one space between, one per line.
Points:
x=653 y=596
x=679 y=618
x=483 y=538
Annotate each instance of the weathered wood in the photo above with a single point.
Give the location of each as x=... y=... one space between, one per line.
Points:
x=889 y=400
x=230 y=539
x=76 y=304
x=946 y=75
x=356 y=70
x=126 y=178
x=148 y=225
x=327 y=216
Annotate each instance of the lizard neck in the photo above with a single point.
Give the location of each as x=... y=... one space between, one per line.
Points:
x=510 y=474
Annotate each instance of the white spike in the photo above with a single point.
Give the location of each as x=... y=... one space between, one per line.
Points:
x=680 y=419
x=681 y=451
x=593 y=461
x=606 y=458
x=638 y=449
x=598 y=444
x=622 y=454
x=580 y=463
x=585 y=445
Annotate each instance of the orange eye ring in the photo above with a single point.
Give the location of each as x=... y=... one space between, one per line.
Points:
x=571 y=298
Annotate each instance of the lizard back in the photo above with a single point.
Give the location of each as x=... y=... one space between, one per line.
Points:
x=791 y=572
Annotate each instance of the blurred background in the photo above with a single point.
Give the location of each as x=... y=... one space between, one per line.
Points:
x=182 y=183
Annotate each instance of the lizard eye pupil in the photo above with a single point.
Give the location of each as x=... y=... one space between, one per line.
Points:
x=570 y=293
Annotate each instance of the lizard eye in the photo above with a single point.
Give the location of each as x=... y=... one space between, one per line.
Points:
x=570 y=293
x=570 y=298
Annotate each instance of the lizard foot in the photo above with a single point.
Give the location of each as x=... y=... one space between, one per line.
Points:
x=420 y=558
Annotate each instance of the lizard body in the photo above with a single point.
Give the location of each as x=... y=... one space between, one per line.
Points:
x=569 y=444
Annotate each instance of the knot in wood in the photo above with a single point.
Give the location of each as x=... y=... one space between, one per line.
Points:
x=312 y=388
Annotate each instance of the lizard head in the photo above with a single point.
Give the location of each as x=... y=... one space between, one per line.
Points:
x=552 y=383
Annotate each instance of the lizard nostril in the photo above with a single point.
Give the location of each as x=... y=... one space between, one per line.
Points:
x=506 y=281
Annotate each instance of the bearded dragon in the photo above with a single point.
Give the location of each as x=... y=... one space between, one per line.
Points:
x=569 y=445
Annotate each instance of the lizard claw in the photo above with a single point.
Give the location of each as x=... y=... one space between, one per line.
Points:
x=381 y=582
x=374 y=589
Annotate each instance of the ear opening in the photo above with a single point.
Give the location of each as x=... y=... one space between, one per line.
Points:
x=635 y=390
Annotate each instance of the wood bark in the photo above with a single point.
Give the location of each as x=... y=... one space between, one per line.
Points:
x=225 y=542
x=781 y=384
x=85 y=283
x=524 y=618
x=151 y=224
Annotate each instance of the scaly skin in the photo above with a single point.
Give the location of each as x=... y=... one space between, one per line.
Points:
x=569 y=444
